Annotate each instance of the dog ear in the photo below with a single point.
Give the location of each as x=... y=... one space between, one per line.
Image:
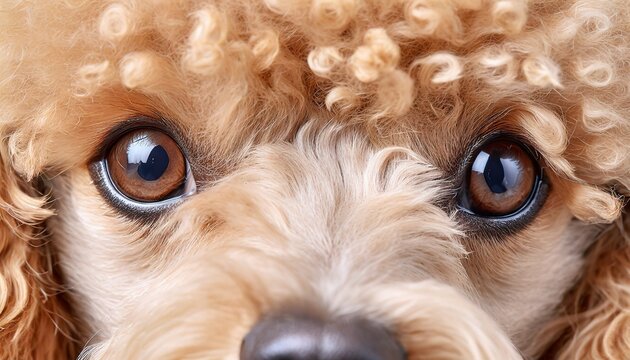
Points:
x=33 y=318
x=597 y=311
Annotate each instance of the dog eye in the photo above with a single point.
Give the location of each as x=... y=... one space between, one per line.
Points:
x=147 y=165
x=501 y=179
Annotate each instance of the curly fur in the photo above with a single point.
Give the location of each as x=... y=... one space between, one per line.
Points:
x=244 y=76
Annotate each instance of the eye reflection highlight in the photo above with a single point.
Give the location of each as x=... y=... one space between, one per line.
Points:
x=148 y=166
x=500 y=180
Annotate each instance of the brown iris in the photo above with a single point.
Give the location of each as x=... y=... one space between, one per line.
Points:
x=147 y=165
x=501 y=179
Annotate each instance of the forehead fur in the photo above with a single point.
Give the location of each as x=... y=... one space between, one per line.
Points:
x=254 y=71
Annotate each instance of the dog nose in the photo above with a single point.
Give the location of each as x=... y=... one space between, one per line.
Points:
x=299 y=337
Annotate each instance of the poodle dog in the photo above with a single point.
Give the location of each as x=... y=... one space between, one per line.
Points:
x=314 y=179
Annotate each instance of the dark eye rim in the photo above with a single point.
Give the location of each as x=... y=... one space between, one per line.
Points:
x=519 y=218
x=105 y=185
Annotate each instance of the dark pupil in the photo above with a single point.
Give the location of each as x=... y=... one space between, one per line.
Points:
x=155 y=165
x=501 y=171
x=495 y=174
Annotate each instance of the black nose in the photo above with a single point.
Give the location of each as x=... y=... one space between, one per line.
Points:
x=299 y=337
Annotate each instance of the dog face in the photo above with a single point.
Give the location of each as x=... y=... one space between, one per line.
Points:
x=330 y=179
